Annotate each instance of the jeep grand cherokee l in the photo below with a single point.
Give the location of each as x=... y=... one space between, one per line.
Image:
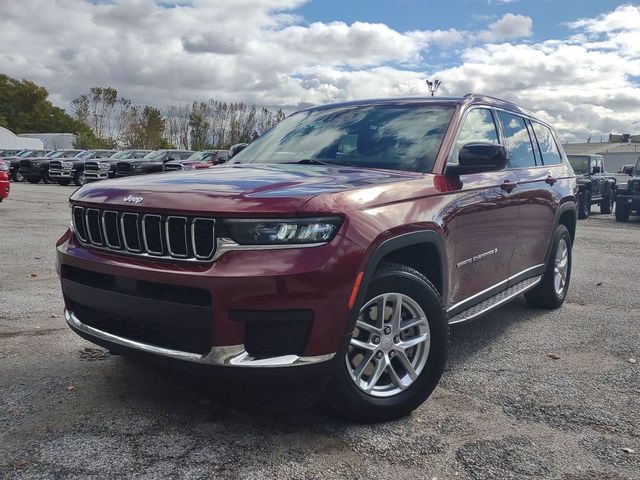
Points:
x=342 y=243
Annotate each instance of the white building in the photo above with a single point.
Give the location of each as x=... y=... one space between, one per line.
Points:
x=53 y=140
x=10 y=141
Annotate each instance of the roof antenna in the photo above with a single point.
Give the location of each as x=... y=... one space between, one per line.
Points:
x=433 y=86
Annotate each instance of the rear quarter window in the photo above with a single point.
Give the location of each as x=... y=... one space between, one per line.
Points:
x=546 y=142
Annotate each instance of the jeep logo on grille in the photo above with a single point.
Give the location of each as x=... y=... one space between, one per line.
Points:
x=132 y=199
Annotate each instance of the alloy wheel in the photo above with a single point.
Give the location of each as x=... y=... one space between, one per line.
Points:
x=389 y=346
x=561 y=266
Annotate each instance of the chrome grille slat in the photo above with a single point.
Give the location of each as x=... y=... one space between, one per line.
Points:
x=170 y=237
x=175 y=250
x=146 y=238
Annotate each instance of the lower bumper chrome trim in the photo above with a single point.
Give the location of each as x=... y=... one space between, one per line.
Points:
x=228 y=356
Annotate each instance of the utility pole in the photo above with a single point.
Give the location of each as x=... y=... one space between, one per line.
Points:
x=433 y=86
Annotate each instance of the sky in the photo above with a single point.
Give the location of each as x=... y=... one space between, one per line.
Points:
x=576 y=64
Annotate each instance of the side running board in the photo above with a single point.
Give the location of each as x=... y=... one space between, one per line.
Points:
x=496 y=301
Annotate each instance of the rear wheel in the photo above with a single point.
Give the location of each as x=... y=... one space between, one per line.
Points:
x=606 y=204
x=397 y=351
x=552 y=289
x=584 y=209
x=79 y=178
x=31 y=179
x=622 y=212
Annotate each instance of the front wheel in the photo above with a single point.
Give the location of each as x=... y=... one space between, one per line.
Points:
x=552 y=289
x=584 y=207
x=397 y=351
x=16 y=176
x=79 y=178
x=46 y=178
x=606 y=205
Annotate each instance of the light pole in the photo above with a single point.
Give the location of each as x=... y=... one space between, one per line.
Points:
x=433 y=86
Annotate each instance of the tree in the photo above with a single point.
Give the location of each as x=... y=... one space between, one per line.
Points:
x=25 y=108
x=145 y=128
x=103 y=112
x=199 y=125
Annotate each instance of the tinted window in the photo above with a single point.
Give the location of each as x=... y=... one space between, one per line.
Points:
x=478 y=126
x=399 y=137
x=517 y=139
x=548 y=147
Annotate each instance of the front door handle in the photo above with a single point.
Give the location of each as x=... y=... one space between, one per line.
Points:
x=508 y=185
x=550 y=180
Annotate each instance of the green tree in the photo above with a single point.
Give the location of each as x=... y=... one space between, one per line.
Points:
x=199 y=126
x=145 y=128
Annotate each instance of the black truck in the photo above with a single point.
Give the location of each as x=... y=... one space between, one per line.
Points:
x=34 y=169
x=14 y=162
x=595 y=185
x=628 y=193
x=151 y=163
x=106 y=168
x=66 y=171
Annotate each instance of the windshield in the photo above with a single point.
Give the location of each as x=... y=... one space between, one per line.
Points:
x=580 y=163
x=201 y=156
x=157 y=155
x=51 y=154
x=24 y=153
x=123 y=154
x=393 y=137
x=85 y=154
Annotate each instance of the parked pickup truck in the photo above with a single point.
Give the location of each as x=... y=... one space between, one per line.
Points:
x=106 y=168
x=151 y=163
x=34 y=169
x=14 y=162
x=595 y=185
x=197 y=161
x=66 y=171
x=334 y=251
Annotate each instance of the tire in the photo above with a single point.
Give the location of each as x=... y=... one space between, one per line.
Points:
x=584 y=207
x=622 y=212
x=79 y=179
x=16 y=176
x=606 y=205
x=33 y=179
x=64 y=181
x=420 y=299
x=46 y=178
x=547 y=294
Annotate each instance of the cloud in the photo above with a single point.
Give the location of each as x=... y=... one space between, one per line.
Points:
x=509 y=26
x=170 y=52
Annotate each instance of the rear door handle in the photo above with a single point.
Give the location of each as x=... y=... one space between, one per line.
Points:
x=551 y=179
x=508 y=185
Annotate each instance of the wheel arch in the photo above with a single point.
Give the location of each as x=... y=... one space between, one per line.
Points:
x=566 y=215
x=399 y=247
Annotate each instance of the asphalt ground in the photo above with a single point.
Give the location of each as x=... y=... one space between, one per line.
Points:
x=526 y=394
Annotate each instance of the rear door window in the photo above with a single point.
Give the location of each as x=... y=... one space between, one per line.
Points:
x=517 y=141
x=546 y=142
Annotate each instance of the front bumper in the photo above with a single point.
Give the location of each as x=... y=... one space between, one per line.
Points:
x=62 y=173
x=632 y=202
x=93 y=175
x=316 y=279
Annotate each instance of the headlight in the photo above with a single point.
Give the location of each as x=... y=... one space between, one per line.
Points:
x=282 y=232
x=136 y=167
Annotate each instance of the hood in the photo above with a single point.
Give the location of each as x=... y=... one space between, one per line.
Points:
x=236 y=189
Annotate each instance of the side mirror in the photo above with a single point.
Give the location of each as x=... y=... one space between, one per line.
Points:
x=479 y=157
x=628 y=169
x=595 y=170
x=236 y=149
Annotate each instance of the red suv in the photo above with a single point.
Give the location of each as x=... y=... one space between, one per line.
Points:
x=343 y=242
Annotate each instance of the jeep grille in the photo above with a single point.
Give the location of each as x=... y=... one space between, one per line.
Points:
x=149 y=235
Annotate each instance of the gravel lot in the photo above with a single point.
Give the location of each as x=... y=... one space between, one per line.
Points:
x=504 y=409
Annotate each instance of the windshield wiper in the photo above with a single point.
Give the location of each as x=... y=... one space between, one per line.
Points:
x=315 y=161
